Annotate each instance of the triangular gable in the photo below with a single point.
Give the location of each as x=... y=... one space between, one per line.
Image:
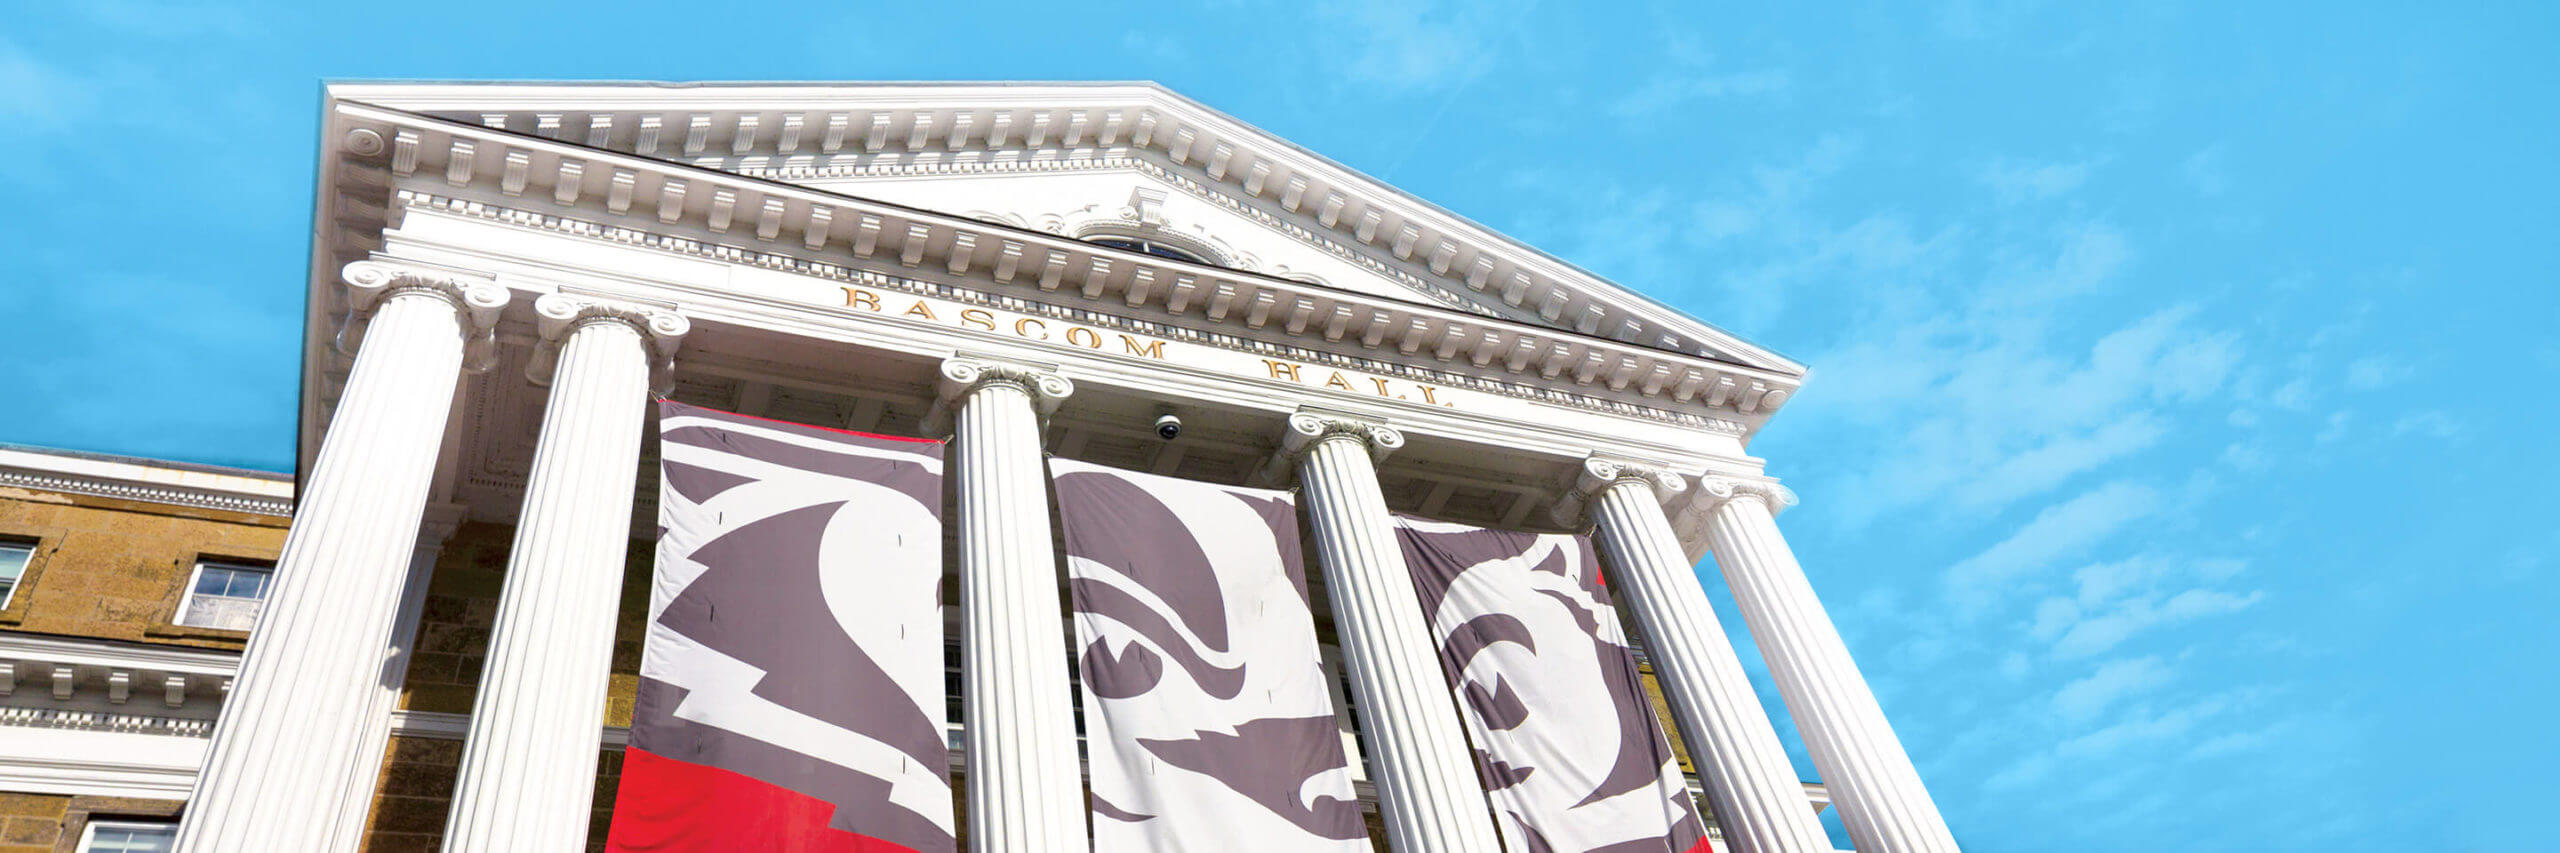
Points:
x=851 y=137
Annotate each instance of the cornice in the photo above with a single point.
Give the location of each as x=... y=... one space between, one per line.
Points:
x=1525 y=388
x=146 y=481
x=809 y=126
x=65 y=667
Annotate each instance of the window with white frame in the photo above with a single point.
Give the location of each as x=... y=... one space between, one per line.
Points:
x=13 y=567
x=224 y=595
x=128 y=837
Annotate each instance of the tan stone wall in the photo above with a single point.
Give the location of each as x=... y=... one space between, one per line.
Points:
x=116 y=569
x=417 y=788
x=50 y=823
x=453 y=647
x=462 y=606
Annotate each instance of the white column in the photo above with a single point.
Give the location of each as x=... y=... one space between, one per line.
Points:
x=355 y=798
x=1759 y=804
x=1871 y=779
x=1428 y=790
x=529 y=763
x=1026 y=792
x=292 y=732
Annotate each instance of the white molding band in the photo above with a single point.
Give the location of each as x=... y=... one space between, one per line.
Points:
x=150 y=481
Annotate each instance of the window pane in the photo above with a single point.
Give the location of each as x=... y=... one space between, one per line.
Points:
x=132 y=839
x=13 y=559
x=226 y=597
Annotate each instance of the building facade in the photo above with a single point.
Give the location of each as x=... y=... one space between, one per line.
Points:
x=447 y=633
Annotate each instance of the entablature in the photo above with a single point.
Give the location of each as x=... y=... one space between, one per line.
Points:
x=756 y=222
x=803 y=133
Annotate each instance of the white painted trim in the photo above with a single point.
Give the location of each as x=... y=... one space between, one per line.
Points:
x=75 y=762
x=146 y=480
x=111 y=654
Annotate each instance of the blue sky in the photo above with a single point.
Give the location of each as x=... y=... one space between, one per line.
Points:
x=2177 y=459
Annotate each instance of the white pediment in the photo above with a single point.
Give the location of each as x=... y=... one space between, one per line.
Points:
x=1063 y=158
x=1129 y=203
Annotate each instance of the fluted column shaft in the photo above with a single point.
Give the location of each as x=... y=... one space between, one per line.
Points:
x=1429 y=794
x=1026 y=793
x=1871 y=779
x=529 y=762
x=292 y=732
x=355 y=798
x=1759 y=804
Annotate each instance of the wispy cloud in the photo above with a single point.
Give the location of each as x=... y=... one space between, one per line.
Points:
x=37 y=95
x=1412 y=48
x=2016 y=181
x=2058 y=532
x=2374 y=372
x=2084 y=697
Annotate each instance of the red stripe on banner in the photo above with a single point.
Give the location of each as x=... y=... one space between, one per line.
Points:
x=1704 y=845
x=670 y=805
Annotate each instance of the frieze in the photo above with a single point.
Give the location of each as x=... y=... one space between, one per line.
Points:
x=883 y=283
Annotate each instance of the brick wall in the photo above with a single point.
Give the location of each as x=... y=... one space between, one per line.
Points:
x=115 y=569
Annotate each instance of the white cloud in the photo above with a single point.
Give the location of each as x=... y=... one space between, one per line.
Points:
x=2058 y=532
x=2096 y=635
x=1416 y=47
x=2117 y=600
x=2374 y=371
x=2142 y=728
x=1675 y=88
x=2430 y=423
x=38 y=95
x=2085 y=697
x=2016 y=181
x=2204 y=172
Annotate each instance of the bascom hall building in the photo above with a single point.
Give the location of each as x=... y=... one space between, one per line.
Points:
x=932 y=467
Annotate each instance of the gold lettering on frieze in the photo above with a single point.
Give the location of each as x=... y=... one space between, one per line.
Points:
x=919 y=309
x=1392 y=389
x=983 y=320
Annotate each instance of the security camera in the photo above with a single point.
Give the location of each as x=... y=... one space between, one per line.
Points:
x=1168 y=426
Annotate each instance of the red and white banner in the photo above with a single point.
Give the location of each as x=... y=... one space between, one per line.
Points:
x=1207 y=718
x=1569 y=746
x=791 y=692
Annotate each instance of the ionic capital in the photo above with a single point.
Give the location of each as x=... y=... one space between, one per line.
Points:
x=1600 y=473
x=962 y=377
x=1307 y=429
x=1716 y=490
x=556 y=315
x=476 y=301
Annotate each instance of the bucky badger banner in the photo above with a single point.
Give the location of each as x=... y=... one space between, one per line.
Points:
x=1207 y=719
x=1568 y=744
x=791 y=693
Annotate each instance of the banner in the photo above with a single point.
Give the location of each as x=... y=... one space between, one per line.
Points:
x=791 y=686
x=1566 y=740
x=1207 y=719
